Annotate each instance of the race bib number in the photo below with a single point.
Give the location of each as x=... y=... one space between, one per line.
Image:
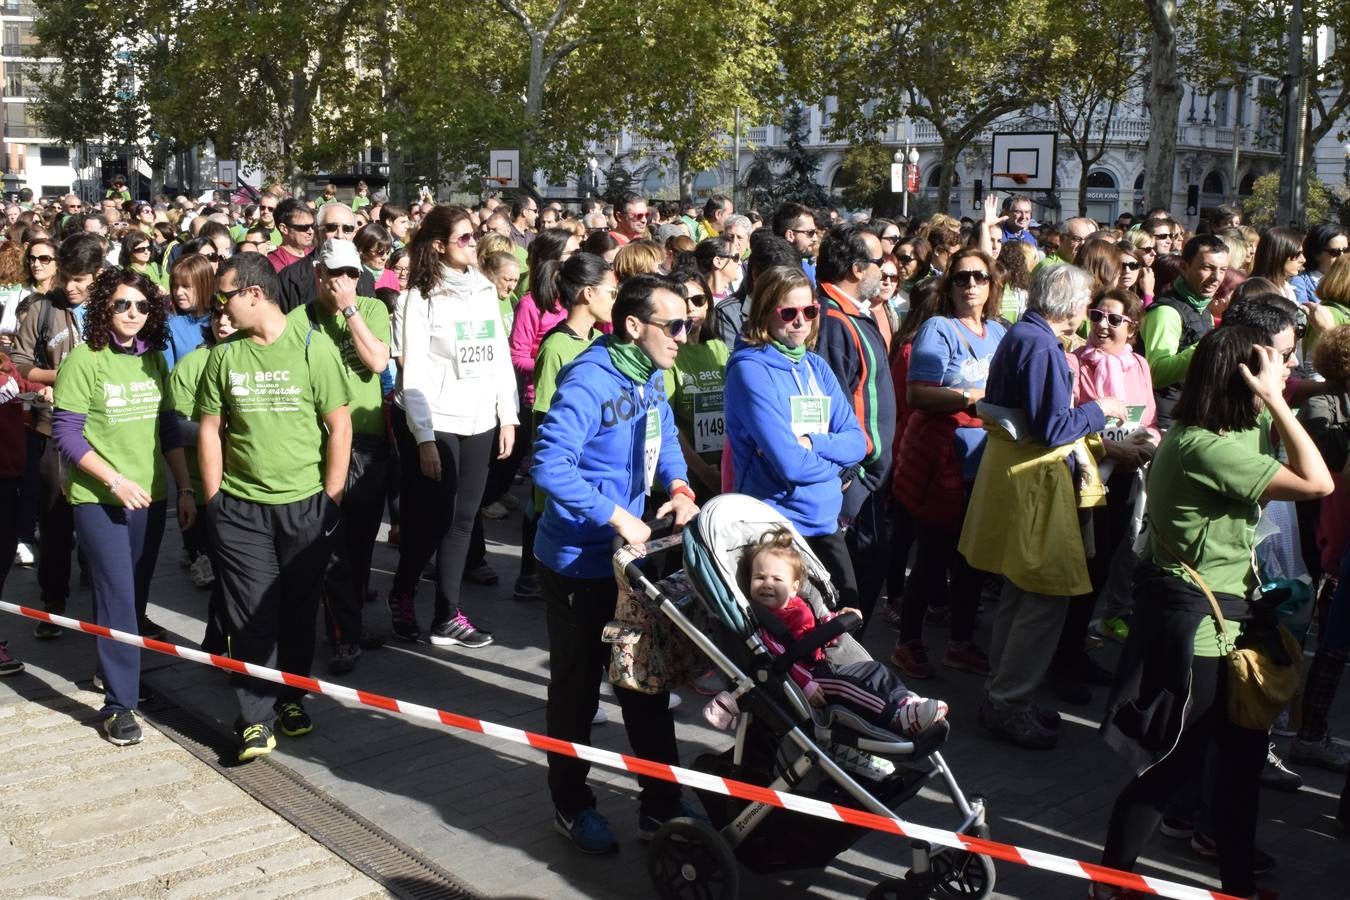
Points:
x=475 y=348
x=709 y=422
x=651 y=449
x=810 y=414
x=1133 y=423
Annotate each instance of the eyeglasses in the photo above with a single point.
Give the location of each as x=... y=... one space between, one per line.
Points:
x=1115 y=320
x=1149 y=249
x=344 y=272
x=889 y=276
x=42 y=258
x=1163 y=236
x=1287 y=355
x=809 y=232
x=904 y=260
x=224 y=297
x=121 y=306
x=333 y=227
x=143 y=248
x=293 y=226
x=967 y=277
x=878 y=261
x=637 y=215
x=465 y=239
x=700 y=299
x=891 y=237
x=789 y=313
x=71 y=207
x=1334 y=252
x=212 y=255
x=730 y=256
x=1130 y=266
x=673 y=327
x=266 y=208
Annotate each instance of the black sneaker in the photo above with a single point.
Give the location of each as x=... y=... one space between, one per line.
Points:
x=484 y=575
x=293 y=720
x=151 y=629
x=459 y=631
x=255 y=741
x=343 y=660
x=403 y=617
x=122 y=729
x=1277 y=775
x=46 y=631
x=527 y=589
x=8 y=664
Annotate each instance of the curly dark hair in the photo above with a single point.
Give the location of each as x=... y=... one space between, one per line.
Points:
x=98 y=321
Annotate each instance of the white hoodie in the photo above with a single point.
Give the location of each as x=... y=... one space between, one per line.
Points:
x=456 y=373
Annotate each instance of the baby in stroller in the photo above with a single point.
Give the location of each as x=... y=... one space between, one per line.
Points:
x=776 y=574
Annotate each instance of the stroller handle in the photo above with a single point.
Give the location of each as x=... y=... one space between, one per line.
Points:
x=661 y=527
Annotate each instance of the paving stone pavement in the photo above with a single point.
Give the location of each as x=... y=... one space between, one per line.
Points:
x=479 y=807
x=86 y=819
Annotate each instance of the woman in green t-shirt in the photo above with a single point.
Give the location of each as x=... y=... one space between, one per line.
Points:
x=697 y=378
x=1168 y=711
x=112 y=406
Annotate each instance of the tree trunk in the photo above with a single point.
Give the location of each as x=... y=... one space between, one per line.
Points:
x=686 y=178
x=1164 y=104
x=950 y=147
x=534 y=105
x=1083 y=165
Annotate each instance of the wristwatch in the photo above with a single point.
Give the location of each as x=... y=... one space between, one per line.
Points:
x=349 y=311
x=965 y=396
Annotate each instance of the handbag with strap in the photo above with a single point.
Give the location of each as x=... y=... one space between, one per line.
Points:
x=1259 y=686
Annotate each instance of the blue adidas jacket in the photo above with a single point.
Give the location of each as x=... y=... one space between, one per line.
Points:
x=588 y=459
x=804 y=485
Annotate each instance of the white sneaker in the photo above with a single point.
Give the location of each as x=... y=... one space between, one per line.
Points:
x=675 y=700
x=600 y=717
x=495 y=511
x=23 y=555
x=918 y=714
x=201 y=573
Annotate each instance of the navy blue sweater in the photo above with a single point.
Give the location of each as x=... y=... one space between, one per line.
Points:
x=1029 y=372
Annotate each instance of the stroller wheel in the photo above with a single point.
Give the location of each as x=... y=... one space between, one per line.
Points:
x=960 y=875
x=688 y=859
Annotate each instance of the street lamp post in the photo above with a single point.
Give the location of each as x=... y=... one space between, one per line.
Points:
x=913 y=157
x=1347 y=166
x=594 y=165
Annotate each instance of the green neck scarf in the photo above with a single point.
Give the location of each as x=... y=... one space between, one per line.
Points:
x=796 y=354
x=1198 y=303
x=629 y=359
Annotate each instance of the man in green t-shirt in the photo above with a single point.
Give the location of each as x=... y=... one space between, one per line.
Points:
x=359 y=326
x=272 y=492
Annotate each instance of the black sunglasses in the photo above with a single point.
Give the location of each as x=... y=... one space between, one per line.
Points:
x=143 y=248
x=309 y=226
x=904 y=260
x=344 y=272
x=673 y=327
x=224 y=297
x=1334 y=252
x=121 y=306
x=890 y=237
x=42 y=258
x=1129 y=266
x=699 y=299
x=790 y=313
x=967 y=277
x=331 y=227
x=1115 y=320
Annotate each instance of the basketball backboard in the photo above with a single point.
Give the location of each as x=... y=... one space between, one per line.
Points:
x=1024 y=161
x=504 y=164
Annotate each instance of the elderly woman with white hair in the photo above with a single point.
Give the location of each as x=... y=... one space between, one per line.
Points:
x=1023 y=517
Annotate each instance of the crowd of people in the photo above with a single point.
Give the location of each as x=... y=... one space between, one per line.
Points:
x=1078 y=430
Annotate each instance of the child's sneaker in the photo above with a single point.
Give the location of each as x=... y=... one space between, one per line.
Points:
x=8 y=664
x=917 y=714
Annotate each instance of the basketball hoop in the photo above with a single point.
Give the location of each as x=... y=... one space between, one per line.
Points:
x=499 y=180
x=1019 y=177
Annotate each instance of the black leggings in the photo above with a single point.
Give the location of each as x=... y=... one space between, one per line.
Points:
x=437 y=516
x=1235 y=756
x=936 y=557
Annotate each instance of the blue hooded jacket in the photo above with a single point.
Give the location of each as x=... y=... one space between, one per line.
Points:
x=804 y=485
x=588 y=459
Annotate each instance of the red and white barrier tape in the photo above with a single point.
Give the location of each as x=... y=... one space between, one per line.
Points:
x=689 y=778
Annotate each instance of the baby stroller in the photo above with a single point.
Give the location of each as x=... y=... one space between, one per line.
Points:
x=782 y=742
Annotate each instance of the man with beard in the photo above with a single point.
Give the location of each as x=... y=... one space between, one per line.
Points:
x=1179 y=318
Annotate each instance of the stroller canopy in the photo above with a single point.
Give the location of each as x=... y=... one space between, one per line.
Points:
x=714 y=551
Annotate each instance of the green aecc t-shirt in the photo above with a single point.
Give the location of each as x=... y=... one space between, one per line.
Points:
x=363 y=385
x=120 y=396
x=271 y=398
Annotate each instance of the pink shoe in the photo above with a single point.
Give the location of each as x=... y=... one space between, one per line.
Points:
x=917 y=714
